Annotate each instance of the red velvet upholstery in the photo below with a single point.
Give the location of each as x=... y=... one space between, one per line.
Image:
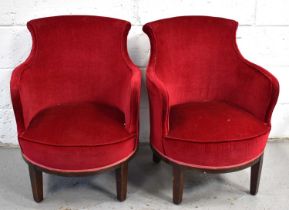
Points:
x=209 y=106
x=76 y=97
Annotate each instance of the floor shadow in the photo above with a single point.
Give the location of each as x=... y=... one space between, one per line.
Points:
x=95 y=183
x=156 y=179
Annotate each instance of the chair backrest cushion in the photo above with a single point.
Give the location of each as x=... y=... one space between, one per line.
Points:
x=73 y=59
x=195 y=57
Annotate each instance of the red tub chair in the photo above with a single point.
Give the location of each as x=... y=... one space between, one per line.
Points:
x=210 y=108
x=76 y=99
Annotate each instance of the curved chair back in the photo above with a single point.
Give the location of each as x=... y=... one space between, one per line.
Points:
x=75 y=58
x=197 y=59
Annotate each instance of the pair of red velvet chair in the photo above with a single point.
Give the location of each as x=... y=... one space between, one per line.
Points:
x=76 y=99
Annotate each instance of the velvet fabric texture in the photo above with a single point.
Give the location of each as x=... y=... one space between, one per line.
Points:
x=209 y=106
x=76 y=97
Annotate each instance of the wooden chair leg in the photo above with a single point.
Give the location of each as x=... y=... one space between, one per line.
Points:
x=36 y=183
x=156 y=159
x=178 y=184
x=255 y=176
x=121 y=181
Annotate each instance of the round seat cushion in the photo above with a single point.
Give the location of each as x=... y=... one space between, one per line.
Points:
x=77 y=137
x=214 y=134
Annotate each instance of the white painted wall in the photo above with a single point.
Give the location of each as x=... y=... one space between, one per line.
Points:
x=263 y=37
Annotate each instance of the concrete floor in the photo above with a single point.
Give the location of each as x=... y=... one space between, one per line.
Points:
x=149 y=186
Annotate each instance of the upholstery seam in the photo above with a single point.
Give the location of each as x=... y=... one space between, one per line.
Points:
x=222 y=141
x=82 y=170
x=206 y=167
x=83 y=145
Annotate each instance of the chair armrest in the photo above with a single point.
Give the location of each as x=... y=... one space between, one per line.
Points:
x=15 y=83
x=158 y=94
x=132 y=114
x=159 y=102
x=260 y=92
x=15 y=97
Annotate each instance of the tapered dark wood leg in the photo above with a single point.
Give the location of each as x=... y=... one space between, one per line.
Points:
x=178 y=184
x=255 y=176
x=156 y=159
x=121 y=181
x=36 y=183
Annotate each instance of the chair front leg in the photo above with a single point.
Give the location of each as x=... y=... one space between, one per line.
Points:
x=36 y=183
x=178 y=184
x=255 y=176
x=121 y=181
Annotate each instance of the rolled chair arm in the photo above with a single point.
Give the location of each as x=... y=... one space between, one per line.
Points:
x=259 y=93
x=15 y=97
x=132 y=115
x=159 y=95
